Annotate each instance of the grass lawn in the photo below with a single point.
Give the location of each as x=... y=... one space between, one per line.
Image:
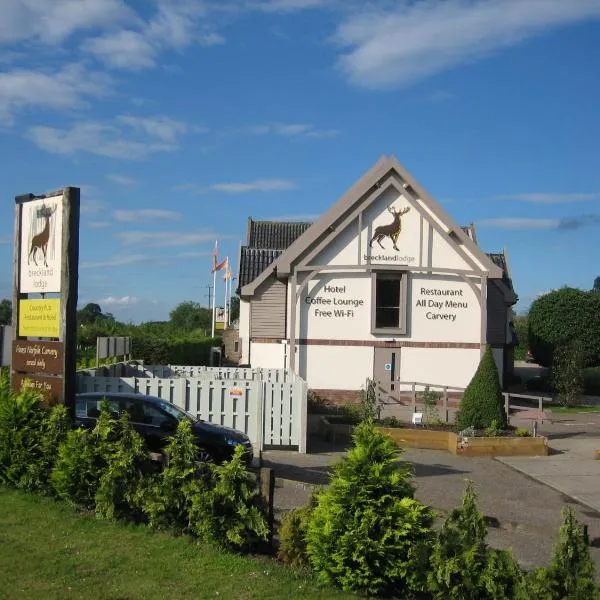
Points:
x=47 y=551
x=574 y=409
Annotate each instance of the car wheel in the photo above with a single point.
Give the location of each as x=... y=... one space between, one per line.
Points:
x=205 y=457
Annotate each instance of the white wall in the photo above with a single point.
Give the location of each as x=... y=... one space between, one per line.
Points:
x=271 y=356
x=439 y=366
x=335 y=367
x=244 y=331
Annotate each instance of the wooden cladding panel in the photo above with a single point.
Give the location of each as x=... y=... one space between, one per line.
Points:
x=268 y=310
x=497 y=312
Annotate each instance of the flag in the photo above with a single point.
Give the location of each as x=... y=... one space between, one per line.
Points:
x=217 y=266
x=228 y=272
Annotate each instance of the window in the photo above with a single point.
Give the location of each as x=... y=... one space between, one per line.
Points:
x=389 y=303
x=92 y=407
x=145 y=413
x=236 y=346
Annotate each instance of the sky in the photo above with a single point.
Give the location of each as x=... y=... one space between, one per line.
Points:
x=179 y=119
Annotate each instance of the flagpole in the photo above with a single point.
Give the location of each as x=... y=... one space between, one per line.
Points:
x=214 y=291
x=225 y=305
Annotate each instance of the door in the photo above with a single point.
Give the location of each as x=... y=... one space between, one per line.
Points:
x=386 y=374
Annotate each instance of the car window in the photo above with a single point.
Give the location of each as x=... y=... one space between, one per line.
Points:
x=93 y=406
x=175 y=411
x=145 y=413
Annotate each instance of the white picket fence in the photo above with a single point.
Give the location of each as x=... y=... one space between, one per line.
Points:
x=247 y=373
x=272 y=413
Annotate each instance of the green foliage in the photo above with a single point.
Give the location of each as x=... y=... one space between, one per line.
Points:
x=493 y=430
x=462 y=566
x=522 y=432
x=482 y=402
x=21 y=418
x=168 y=496
x=570 y=575
x=368 y=407
x=120 y=485
x=567 y=372
x=188 y=316
x=429 y=400
x=292 y=537
x=366 y=532
x=522 y=330
x=5 y=311
x=230 y=510
x=174 y=351
x=562 y=316
x=82 y=460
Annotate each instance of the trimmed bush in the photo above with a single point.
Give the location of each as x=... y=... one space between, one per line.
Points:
x=462 y=565
x=174 y=351
x=367 y=533
x=230 y=510
x=482 y=402
x=561 y=316
x=567 y=373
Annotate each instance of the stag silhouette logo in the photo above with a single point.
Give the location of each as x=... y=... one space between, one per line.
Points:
x=392 y=230
x=40 y=241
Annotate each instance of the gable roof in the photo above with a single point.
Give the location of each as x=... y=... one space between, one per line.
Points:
x=276 y=235
x=386 y=171
x=253 y=262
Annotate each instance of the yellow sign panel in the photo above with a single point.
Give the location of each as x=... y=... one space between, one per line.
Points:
x=39 y=318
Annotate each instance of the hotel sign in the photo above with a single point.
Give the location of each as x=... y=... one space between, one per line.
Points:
x=39 y=318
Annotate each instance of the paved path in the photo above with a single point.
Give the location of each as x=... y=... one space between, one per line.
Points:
x=571 y=468
x=524 y=513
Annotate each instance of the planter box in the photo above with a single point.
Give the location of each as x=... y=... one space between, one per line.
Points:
x=471 y=446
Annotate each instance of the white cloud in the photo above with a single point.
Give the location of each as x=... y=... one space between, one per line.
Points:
x=122 y=180
x=259 y=185
x=193 y=254
x=290 y=5
x=164 y=239
x=291 y=130
x=123 y=50
x=145 y=214
x=544 y=198
x=161 y=127
x=399 y=46
x=66 y=88
x=52 y=21
x=519 y=223
x=6 y=239
x=119 y=301
x=116 y=261
x=98 y=225
x=126 y=138
x=90 y=205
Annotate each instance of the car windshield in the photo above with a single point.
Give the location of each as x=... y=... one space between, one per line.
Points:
x=175 y=411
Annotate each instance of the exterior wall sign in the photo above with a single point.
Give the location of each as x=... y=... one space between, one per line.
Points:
x=236 y=392
x=37 y=357
x=39 y=318
x=333 y=302
x=441 y=304
x=41 y=245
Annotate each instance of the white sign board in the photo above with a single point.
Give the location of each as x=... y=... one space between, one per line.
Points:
x=41 y=245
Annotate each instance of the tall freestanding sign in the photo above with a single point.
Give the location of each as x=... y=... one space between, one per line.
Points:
x=45 y=294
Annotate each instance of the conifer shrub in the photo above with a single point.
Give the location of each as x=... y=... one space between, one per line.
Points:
x=463 y=567
x=122 y=480
x=567 y=372
x=366 y=532
x=230 y=508
x=82 y=460
x=482 y=402
x=571 y=574
x=168 y=495
x=21 y=418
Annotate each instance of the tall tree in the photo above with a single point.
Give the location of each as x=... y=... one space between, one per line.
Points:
x=5 y=312
x=89 y=314
x=188 y=316
x=596 y=287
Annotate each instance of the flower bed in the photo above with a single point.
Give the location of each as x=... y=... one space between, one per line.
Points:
x=413 y=437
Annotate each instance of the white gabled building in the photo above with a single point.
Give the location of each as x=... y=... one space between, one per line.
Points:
x=384 y=285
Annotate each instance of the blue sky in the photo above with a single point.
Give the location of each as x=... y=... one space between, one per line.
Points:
x=180 y=118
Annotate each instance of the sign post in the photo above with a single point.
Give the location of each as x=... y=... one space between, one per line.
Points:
x=44 y=329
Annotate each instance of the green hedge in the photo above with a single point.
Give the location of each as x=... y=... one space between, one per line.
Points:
x=561 y=316
x=174 y=351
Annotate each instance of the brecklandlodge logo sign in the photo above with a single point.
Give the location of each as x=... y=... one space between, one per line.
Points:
x=41 y=245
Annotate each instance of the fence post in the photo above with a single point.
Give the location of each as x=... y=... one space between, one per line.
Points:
x=267 y=487
x=507 y=405
x=414 y=397
x=303 y=388
x=541 y=409
x=445 y=404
